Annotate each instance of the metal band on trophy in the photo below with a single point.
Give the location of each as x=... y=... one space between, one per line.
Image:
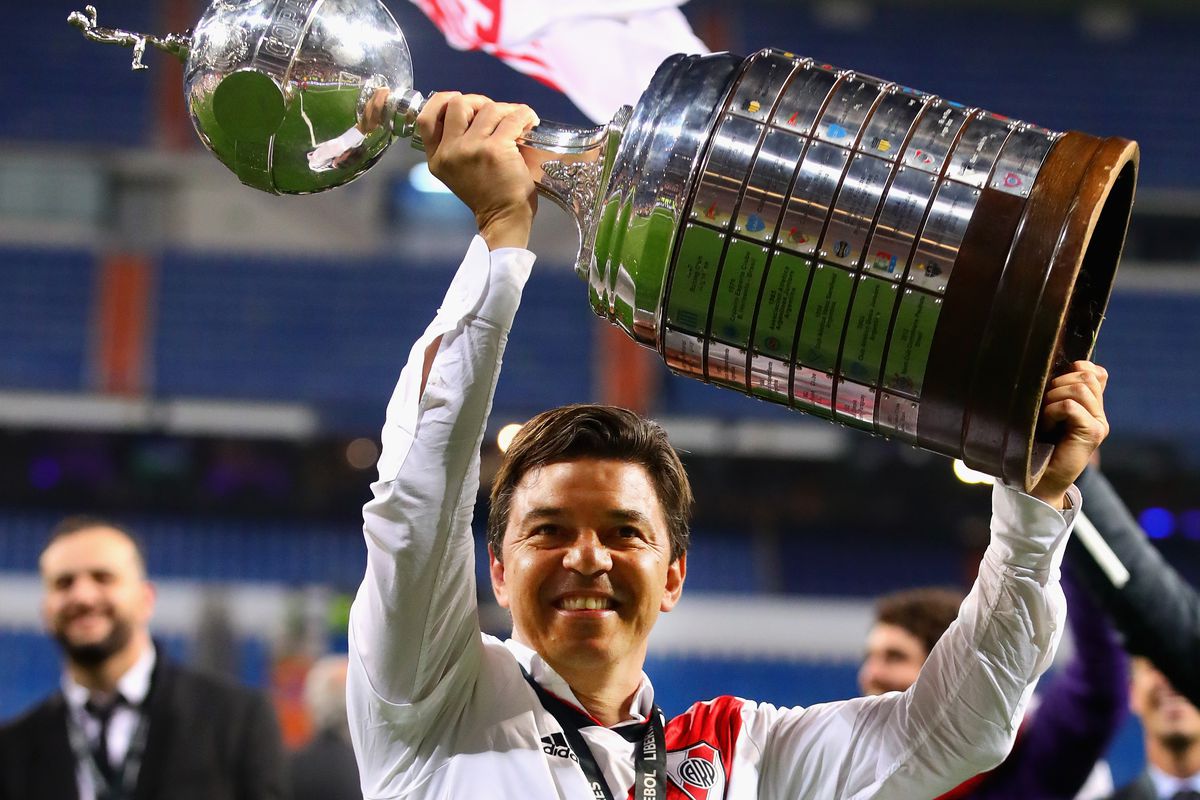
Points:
x=810 y=236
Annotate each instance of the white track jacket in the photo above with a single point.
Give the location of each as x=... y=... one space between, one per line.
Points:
x=439 y=710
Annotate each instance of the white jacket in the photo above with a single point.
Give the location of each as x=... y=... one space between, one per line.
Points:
x=439 y=710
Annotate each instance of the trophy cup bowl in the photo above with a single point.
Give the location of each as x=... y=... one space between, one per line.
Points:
x=810 y=236
x=267 y=83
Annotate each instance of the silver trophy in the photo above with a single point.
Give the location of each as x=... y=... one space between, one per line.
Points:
x=807 y=235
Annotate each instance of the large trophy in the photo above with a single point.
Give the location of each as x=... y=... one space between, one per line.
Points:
x=807 y=235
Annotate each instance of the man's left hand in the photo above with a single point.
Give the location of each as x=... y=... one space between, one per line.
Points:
x=1073 y=403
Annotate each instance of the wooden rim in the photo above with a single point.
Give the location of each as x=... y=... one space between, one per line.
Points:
x=965 y=312
x=1070 y=310
x=1026 y=270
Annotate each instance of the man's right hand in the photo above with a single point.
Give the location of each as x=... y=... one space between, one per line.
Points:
x=471 y=142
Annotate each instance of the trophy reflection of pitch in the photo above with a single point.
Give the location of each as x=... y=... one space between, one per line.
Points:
x=810 y=236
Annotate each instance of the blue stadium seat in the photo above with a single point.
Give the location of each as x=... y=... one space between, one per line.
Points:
x=45 y=310
x=294 y=553
x=720 y=561
x=331 y=333
x=58 y=87
x=819 y=563
x=1151 y=344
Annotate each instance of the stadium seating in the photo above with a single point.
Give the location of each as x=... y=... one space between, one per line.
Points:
x=60 y=88
x=44 y=317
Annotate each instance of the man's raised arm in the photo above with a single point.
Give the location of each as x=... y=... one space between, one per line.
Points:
x=414 y=634
x=961 y=715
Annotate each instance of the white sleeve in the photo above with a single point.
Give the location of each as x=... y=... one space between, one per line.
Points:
x=414 y=634
x=961 y=716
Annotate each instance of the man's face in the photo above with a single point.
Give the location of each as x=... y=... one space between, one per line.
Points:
x=96 y=594
x=1165 y=714
x=893 y=660
x=586 y=563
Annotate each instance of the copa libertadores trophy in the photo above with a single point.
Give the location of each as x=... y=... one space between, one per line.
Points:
x=807 y=235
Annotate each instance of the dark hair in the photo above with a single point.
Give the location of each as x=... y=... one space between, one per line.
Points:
x=82 y=522
x=925 y=613
x=575 y=432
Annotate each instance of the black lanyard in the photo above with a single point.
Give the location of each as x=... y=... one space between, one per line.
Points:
x=650 y=758
x=124 y=777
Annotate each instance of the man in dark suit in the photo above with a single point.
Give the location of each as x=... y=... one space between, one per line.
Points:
x=1172 y=730
x=127 y=724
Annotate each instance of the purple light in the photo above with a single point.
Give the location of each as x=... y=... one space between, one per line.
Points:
x=1158 y=523
x=45 y=473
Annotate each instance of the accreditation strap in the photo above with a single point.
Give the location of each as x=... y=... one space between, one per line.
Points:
x=119 y=785
x=650 y=759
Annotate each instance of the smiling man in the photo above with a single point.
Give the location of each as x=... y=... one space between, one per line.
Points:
x=587 y=540
x=1171 y=727
x=128 y=724
x=587 y=536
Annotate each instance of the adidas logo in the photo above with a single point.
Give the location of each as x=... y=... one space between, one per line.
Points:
x=556 y=745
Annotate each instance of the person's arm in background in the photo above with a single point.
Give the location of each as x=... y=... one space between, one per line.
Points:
x=1157 y=611
x=1080 y=711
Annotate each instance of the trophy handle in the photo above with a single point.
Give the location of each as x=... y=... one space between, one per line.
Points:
x=568 y=163
x=177 y=44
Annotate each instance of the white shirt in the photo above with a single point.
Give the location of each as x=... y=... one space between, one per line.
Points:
x=1167 y=786
x=134 y=685
x=439 y=710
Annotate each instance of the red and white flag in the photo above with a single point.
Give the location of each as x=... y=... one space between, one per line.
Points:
x=599 y=53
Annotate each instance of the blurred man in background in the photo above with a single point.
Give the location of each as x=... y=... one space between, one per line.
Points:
x=127 y=723
x=907 y=626
x=324 y=769
x=1063 y=738
x=1171 y=726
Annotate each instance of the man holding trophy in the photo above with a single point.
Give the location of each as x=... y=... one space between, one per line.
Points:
x=811 y=236
x=587 y=545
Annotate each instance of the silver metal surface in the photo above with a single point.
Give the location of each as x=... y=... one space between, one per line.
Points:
x=937 y=250
x=889 y=125
x=977 y=150
x=935 y=134
x=730 y=155
x=804 y=97
x=1021 y=159
x=300 y=96
x=856 y=404
x=812 y=197
x=897 y=417
x=904 y=207
x=684 y=353
x=847 y=109
x=177 y=44
x=812 y=391
x=767 y=189
x=855 y=209
x=759 y=88
x=653 y=172
x=726 y=365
